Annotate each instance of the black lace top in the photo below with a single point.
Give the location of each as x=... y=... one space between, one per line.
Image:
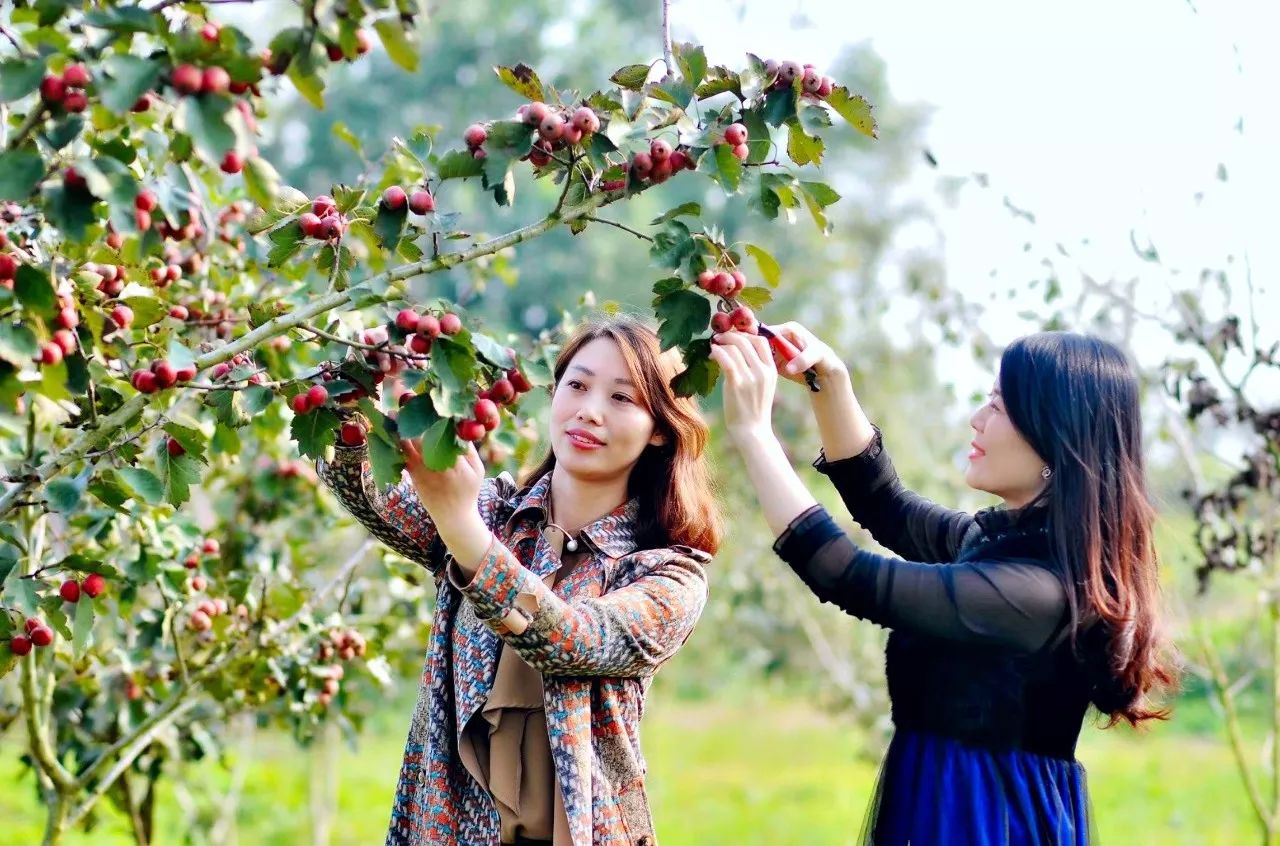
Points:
x=979 y=649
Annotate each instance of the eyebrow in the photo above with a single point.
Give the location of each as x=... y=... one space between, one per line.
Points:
x=590 y=372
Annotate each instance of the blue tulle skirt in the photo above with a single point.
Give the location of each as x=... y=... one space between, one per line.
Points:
x=934 y=791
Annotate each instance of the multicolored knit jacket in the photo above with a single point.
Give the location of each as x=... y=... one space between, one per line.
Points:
x=597 y=639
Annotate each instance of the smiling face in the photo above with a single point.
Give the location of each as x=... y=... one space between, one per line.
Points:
x=599 y=424
x=1001 y=461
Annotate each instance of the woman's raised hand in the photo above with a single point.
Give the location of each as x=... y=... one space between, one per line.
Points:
x=812 y=352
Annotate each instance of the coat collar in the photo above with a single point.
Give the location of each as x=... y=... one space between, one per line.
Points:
x=999 y=521
x=613 y=535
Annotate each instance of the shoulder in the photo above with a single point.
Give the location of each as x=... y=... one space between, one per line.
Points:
x=685 y=564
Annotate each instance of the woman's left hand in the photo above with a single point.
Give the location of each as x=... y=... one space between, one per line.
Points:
x=751 y=378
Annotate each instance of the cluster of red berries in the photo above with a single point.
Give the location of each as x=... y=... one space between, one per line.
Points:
x=659 y=164
x=422 y=329
x=314 y=397
x=324 y=222
x=485 y=414
x=162 y=374
x=336 y=54
x=209 y=546
x=557 y=128
x=64 y=337
x=419 y=202
x=722 y=283
x=223 y=368
x=67 y=90
x=812 y=83
x=735 y=135
x=741 y=319
x=92 y=587
x=37 y=632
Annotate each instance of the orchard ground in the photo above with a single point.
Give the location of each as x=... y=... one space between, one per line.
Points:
x=743 y=768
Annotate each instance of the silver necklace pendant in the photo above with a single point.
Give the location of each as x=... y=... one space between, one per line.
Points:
x=571 y=544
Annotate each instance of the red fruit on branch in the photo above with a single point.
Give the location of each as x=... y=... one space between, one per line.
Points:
x=68 y=317
x=94 y=584
x=811 y=81
x=192 y=562
x=475 y=135
x=175 y=448
x=144 y=381
x=32 y=624
x=735 y=134
x=42 y=636
x=166 y=373
x=641 y=165
x=535 y=113
x=75 y=102
x=210 y=546
x=209 y=32
x=20 y=645
x=586 y=121
x=69 y=591
x=141 y=104
x=186 y=374
x=450 y=323
x=680 y=160
x=76 y=76
x=334 y=51
x=788 y=72
x=721 y=322
x=52 y=89
x=706 y=279
x=215 y=80
x=825 y=87
x=540 y=153
x=659 y=150
x=66 y=340
x=310 y=224
x=420 y=344
x=142 y=220
x=551 y=128
x=739 y=282
x=741 y=152
x=232 y=162
x=187 y=79
x=518 y=381
x=50 y=354
x=744 y=320
x=178 y=311
x=197 y=584
x=407 y=320
x=323 y=206
x=486 y=412
x=470 y=430
x=200 y=621
x=122 y=316
x=502 y=391
x=722 y=285
x=428 y=326
x=572 y=135
x=352 y=434
x=421 y=202
x=363 y=43
x=299 y=403
x=73 y=181
x=394 y=198
x=317 y=396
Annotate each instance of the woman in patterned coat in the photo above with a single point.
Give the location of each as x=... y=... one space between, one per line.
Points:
x=557 y=601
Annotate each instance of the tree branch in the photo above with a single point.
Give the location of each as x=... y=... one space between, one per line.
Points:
x=666 y=38
x=620 y=226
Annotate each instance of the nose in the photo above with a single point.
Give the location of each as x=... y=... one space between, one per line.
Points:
x=979 y=419
x=589 y=410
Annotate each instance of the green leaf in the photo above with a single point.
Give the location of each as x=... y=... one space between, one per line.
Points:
x=18 y=343
x=690 y=208
x=692 y=60
x=144 y=484
x=385 y=460
x=128 y=77
x=108 y=490
x=257 y=399
x=34 y=290
x=124 y=19
x=204 y=118
x=664 y=287
x=308 y=83
x=82 y=630
x=630 y=77
x=346 y=260
x=672 y=245
x=146 y=310
x=814 y=118
x=417 y=416
x=64 y=130
x=79 y=563
x=400 y=42
x=676 y=92
x=261 y=181
x=720 y=80
x=769 y=267
x=179 y=356
x=192 y=440
x=341 y=130
x=440 y=447
x=457 y=164
x=523 y=80
x=455 y=366
x=21 y=593
x=493 y=352
x=684 y=314
x=723 y=166
x=64 y=494
x=285 y=241
x=20 y=172
x=817 y=196
x=755 y=297
x=19 y=77
x=803 y=149
x=227 y=407
x=314 y=431
x=177 y=474
x=779 y=106
x=854 y=109
x=346 y=198
x=700 y=373
x=389 y=224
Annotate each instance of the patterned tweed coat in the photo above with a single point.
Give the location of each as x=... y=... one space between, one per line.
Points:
x=597 y=638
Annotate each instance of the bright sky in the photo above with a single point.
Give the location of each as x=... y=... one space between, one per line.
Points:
x=1098 y=115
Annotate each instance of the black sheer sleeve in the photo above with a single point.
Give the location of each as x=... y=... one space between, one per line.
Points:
x=910 y=525
x=1018 y=604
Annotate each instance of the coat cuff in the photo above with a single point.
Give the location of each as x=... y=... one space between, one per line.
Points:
x=499 y=582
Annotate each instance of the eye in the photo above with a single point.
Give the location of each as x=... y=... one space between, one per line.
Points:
x=623 y=398
x=575 y=384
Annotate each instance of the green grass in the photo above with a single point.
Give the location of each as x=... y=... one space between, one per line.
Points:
x=745 y=771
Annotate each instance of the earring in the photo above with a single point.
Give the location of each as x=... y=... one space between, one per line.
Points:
x=1046 y=473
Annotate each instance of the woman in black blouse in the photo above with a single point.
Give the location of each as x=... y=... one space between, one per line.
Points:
x=1006 y=624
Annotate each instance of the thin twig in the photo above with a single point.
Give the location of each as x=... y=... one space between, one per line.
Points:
x=666 y=38
x=623 y=227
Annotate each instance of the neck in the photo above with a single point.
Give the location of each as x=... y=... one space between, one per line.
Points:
x=579 y=502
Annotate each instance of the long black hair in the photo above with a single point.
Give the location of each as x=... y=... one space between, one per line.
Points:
x=1076 y=399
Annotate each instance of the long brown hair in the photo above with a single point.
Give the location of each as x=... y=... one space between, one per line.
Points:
x=1076 y=400
x=672 y=482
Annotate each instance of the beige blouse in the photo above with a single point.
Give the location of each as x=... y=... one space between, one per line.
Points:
x=505 y=746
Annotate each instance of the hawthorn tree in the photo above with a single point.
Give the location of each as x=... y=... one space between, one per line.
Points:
x=180 y=330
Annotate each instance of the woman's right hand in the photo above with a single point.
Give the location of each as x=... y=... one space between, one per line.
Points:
x=813 y=352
